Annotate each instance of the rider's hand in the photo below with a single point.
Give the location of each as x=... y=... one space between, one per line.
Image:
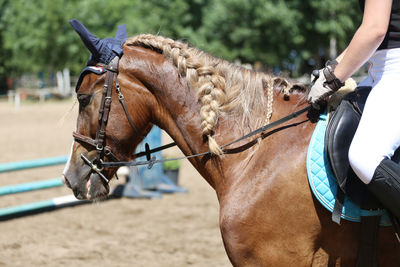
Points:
x=317 y=73
x=325 y=85
x=319 y=90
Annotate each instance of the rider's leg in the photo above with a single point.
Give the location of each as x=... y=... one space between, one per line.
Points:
x=378 y=135
x=385 y=185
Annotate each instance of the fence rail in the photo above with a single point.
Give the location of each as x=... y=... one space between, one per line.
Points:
x=34 y=207
x=29 y=164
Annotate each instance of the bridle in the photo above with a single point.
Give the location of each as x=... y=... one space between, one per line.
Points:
x=97 y=165
x=102 y=151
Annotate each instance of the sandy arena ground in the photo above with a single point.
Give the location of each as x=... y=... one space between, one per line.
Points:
x=175 y=230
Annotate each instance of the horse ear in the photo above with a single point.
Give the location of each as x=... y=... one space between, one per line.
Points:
x=91 y=42
x=121 y=33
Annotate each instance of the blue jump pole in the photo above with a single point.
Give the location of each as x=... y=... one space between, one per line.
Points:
x=18 y=188
x=53 y=203
x=35 y=207
x=28 y=164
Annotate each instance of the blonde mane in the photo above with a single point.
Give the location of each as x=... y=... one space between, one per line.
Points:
x=223 y=88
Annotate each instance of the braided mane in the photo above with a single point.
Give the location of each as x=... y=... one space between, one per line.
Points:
x=223 y=88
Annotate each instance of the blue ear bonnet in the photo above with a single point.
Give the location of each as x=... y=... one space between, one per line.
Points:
x=108 y=49
x=102 y=50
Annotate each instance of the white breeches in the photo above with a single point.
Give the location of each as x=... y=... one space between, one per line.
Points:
x=378 y=134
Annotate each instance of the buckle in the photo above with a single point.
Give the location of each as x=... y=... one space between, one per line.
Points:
x=331 y=80
x=99 y=147
x=152 y=161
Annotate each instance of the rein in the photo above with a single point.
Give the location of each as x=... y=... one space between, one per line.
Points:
x=152 y=160
x=102 y=151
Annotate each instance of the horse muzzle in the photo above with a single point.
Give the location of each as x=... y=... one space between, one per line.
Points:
x=85 y=182
x=80 y=192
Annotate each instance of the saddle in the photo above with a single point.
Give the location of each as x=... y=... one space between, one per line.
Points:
x=340 y=131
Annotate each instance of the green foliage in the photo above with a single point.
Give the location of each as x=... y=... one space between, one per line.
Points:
x=326 y=19
x=252 y=30
x=36 y=36
x=171 y=165
x=4 y=53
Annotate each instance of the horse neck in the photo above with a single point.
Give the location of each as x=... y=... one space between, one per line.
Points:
x=174 y=107
x=177 y=111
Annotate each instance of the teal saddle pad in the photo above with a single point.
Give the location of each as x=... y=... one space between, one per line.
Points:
x=323 y=183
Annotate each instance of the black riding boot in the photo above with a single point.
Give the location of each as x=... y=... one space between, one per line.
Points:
x=385 y=185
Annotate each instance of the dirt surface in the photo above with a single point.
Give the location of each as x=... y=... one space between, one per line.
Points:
x=175 y=230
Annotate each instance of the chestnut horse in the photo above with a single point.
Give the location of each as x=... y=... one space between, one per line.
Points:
x=268 y=214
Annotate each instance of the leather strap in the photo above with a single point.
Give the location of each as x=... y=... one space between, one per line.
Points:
x=333 y=63
x=337 y=209
x=331 y=80
x=91 y=142
x=367 y=255
x=153 y=160
x=105 y=106
x=122 y=101
x=84 y=139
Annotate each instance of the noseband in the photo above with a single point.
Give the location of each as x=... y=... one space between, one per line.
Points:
x=104 y=111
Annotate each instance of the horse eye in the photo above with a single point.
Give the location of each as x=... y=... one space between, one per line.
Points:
x=84 y=99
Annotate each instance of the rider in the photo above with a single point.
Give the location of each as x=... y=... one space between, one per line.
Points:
x=378 y=134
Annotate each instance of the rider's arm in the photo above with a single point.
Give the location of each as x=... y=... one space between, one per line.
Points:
x=366 y=40
x=340 y=57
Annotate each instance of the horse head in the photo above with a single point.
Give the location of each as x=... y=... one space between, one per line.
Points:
x=105 y=130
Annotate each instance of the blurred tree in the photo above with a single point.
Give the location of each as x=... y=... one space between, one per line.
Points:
x=279 y=33
x=251 y=30
x=329 y=25
x=40 y=37
x=36 y=35
x=5 y=54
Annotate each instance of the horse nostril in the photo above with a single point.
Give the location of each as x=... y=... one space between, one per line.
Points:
x=66 y=182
